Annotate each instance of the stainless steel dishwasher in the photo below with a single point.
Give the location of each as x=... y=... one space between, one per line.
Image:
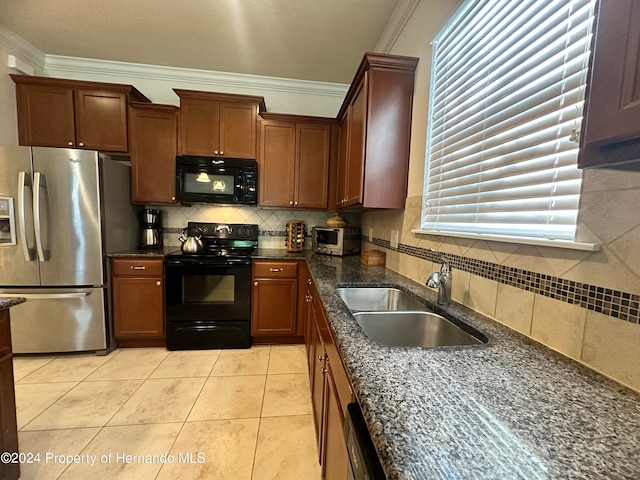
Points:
x=363 y=458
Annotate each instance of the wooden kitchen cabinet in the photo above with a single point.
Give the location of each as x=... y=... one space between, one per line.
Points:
x=330 y=389
x=138 y=301
x=8 y=421
x=294 y=160
x=153 y=149
x=274 y=309
x=375 y=129
x=610 y=132
x=218 y=124
x=55 y=112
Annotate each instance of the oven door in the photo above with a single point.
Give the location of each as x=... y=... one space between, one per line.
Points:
x=208 y=306
x=207 y=292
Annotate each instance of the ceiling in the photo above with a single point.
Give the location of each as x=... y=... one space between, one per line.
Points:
x=321 y=40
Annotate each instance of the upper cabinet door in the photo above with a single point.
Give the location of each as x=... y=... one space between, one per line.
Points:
x=238 y=130
x=153 y=149
x=45 y=115
x=612 y=109
x=313 y=144
x=101 y=120
x=199 y=126
x=356 y=148
x=277 y=163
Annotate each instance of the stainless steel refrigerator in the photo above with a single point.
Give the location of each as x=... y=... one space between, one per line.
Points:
x=61 y=212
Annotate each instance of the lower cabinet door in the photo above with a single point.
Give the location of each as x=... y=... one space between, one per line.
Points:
x=274 y=306
x=138 y=305
x=336 y=458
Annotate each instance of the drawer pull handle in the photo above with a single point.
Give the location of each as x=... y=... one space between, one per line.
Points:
x=138 y=267
x=275 y=269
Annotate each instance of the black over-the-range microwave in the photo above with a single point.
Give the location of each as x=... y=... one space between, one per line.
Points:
x=216 y=180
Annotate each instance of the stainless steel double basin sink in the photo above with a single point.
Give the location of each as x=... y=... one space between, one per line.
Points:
x=391 y=317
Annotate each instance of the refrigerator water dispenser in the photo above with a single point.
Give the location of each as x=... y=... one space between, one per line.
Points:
x=7 y=222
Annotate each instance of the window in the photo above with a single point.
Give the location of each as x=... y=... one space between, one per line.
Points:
x=507 y=92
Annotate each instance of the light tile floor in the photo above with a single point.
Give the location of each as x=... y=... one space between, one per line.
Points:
x=148 y=413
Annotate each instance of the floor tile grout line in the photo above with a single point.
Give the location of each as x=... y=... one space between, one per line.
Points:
x=48 y=406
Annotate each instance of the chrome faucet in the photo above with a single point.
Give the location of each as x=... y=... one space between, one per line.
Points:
x=441 y=280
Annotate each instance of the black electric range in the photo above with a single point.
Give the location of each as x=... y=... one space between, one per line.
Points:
x=208 y=293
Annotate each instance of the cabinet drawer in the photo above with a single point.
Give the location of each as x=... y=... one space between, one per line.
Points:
x=275 y=269
x=137 y=267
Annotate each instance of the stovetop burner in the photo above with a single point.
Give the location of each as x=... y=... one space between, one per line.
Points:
x=230 y=243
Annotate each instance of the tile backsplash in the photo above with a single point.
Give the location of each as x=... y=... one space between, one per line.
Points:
x=272 y=223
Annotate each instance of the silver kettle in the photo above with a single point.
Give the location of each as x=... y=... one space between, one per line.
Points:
x=191 y=243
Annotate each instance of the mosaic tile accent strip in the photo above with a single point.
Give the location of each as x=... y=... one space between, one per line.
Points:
x=262 y=233
x=615 y=303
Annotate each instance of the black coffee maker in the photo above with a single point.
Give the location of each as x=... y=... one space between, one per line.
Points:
x=151 y=228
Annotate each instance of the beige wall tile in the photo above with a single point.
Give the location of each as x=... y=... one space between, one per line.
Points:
x=606 y=213
x=612 y=347
x=604 y=269
x=460 y=286
x=602 y=179
x=514 y=308
x=482 y=295
x=527 y=257
x=558 y=325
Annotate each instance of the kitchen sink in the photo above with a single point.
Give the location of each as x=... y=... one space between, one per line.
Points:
x=414 y=329
x=373 y=299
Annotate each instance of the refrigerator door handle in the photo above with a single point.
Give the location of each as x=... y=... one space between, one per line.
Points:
x=22 y=223
x=39 y=181
x=46 y=296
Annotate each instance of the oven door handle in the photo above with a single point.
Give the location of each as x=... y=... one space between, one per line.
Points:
x=205 y=328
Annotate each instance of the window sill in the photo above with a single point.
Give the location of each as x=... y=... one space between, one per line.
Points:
x=543 y=242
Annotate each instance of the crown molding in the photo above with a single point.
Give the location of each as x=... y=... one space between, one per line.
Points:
x=19 y=46
x=59 y=63
x=399 y=18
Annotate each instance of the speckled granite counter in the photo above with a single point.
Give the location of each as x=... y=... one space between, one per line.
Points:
x=10 y=302
x=145 y=252
x=511 y=409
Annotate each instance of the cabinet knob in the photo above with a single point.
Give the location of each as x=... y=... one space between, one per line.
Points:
x=324 y=370
x=291 y=202
x=216 y=152
x=70 y=144
x=296 y=204
x=158 y=283
x=320 y=358
x=221 y=152
x=173 y=199
x=255 y=284
x=81 y=144
x=307 y=298
x=308 y=281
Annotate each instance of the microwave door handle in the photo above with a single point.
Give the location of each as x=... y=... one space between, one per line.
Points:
x=22 y=222
x=37 y=185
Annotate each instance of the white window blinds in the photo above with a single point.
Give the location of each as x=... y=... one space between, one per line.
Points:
x=507 y=90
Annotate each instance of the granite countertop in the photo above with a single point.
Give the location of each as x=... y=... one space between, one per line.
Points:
x=10 y=302
x=505 y=410
x=145 y=252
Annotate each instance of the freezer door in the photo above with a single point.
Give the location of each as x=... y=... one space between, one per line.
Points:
x=58 y=320
x=18 y=263
x=67 y=217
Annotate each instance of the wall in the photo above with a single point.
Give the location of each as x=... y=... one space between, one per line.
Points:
x=583 y=304
x=157 y=83
x=11 y=44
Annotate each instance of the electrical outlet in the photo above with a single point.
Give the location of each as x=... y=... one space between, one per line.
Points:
x=371 y=234
x=394 y=238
